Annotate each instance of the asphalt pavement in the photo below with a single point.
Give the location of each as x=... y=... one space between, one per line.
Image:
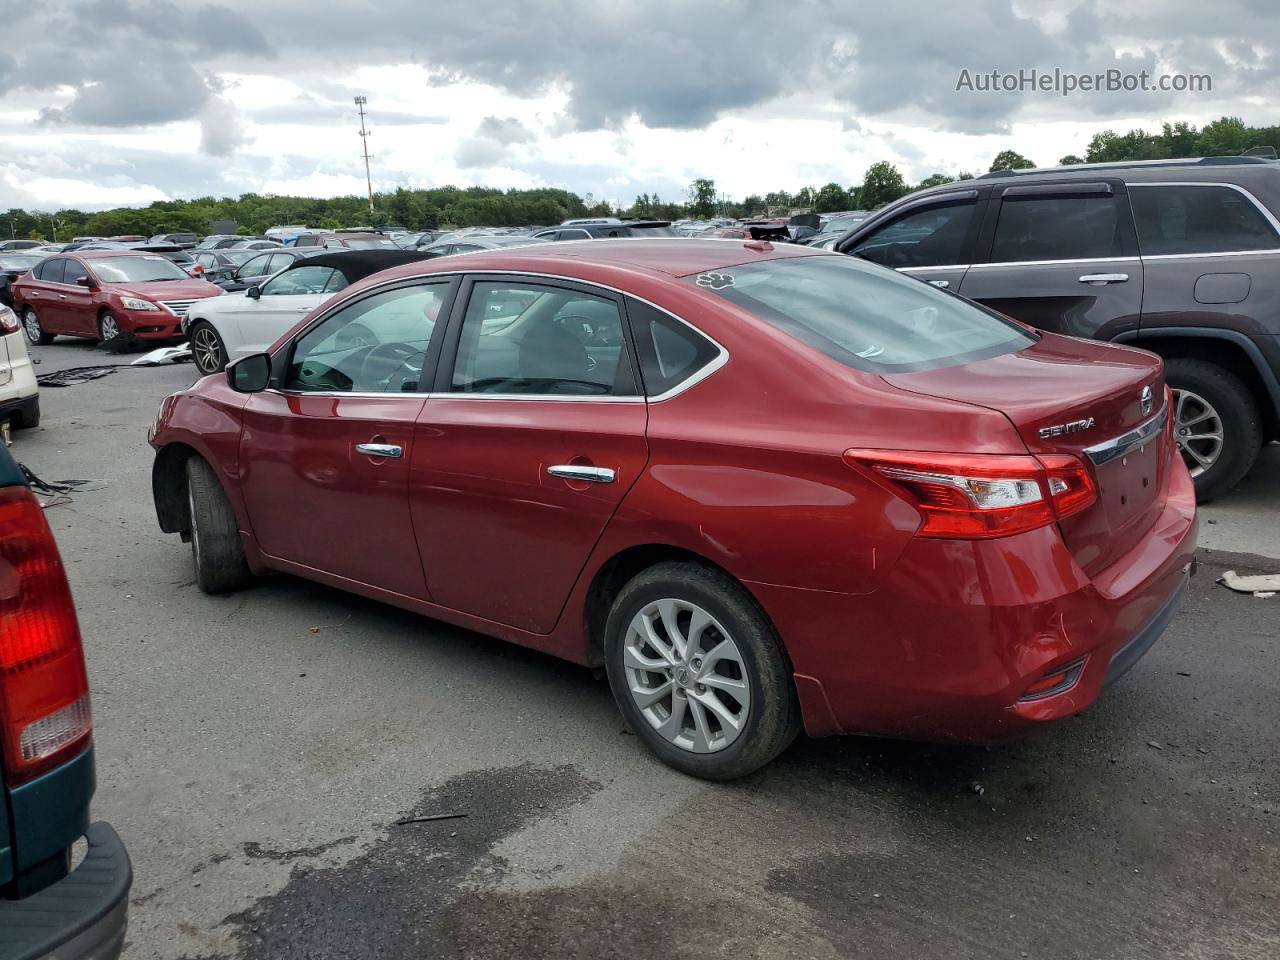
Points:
x=256 y=752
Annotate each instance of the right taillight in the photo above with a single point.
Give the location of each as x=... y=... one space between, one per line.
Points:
x=982 y=496
x=44 y=692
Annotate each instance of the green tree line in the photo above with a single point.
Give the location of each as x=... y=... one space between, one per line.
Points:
x=483 y=206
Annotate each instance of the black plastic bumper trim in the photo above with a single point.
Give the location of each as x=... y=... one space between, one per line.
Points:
x=81 y=917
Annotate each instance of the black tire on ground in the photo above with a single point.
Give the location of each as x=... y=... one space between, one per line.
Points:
x=33 y=328
x=773 y=719
x=215 y=535
x=208 y=352
x=28 y=417
x=1241 y=422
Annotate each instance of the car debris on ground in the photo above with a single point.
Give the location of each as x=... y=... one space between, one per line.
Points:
x=1263 y=587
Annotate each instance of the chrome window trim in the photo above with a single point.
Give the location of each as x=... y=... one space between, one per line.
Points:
x=1221 y=253
x=692 y=380
x=1054 y=263
x=1125 y=443
x=949 y=266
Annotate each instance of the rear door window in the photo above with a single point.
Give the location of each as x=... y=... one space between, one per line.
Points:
x=1081 y=227
x=527 y=338
x=867 y=318
x=1186 y=218
x=931 y=237
x=51 y=271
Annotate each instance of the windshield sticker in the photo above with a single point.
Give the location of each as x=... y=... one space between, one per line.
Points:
x=715 y=281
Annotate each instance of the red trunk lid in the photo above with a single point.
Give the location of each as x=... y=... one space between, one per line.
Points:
x=1065 y=396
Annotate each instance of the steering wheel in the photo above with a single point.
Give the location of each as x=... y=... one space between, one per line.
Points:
x=389 y=363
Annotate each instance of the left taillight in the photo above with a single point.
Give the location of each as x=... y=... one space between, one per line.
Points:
x=982 y=496
x=9 y=322
x=44 y=691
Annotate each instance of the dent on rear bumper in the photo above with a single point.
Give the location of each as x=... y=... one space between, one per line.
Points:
x=82 y=917
x=959 y=630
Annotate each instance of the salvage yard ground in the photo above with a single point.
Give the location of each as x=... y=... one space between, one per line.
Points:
x=255 y=752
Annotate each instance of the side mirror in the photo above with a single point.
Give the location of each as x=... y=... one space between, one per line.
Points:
x=254 y=292
x=86 y=281
x=250 y=374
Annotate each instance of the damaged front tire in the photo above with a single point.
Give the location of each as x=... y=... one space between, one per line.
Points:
x=215 y=534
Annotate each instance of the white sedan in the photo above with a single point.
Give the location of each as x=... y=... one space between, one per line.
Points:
x=223 y=329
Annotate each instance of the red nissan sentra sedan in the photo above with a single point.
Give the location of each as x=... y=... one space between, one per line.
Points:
x=105 y=294
x=765 y=486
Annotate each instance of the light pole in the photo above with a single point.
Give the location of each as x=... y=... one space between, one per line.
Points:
x=364 y=140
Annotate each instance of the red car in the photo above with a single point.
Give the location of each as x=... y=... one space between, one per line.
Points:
x=765 y=487
x=105 y=294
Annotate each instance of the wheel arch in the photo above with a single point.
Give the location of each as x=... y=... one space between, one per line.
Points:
x=169 y=487
x=1230 y=349
x=623 y=566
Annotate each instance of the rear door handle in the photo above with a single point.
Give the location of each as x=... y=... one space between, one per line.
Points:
x=943 y=284
x=571 y=471
x=1102 y=279
x=389 y=450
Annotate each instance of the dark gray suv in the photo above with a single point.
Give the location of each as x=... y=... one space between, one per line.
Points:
x=1180 y=257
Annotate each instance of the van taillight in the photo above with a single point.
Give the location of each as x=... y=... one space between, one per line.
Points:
x=982 y=496
x=44 y=692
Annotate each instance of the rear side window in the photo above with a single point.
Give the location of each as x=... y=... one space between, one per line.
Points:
x=865 y=317
x=670 y=352
x=1199 y=219
x=51 y=270
x=1083 y=227
x=933 y=237
x=521 y=338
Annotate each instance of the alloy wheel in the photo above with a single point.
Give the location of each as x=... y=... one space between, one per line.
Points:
x=31 y=323
x=1197 y=429
x=686 y=676
x=206 y=350
x=109 y=327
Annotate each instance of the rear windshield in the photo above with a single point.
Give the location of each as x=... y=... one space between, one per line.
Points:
x=369 y=243
x=865 y=316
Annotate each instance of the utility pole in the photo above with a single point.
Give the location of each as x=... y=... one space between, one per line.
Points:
x=364 y=140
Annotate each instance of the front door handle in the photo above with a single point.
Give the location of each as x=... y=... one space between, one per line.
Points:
x=943 y=284
x=1102 y=279
x=572 y=471
x=389 y=450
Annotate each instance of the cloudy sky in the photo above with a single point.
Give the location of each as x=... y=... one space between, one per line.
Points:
x=111 y=102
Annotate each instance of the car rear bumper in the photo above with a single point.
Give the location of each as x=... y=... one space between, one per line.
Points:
x=82 y=917
x=948 y=647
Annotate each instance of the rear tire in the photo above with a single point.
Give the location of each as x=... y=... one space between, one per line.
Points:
x=207 y=349
x=754 y=664
x=215 y=535
x=34 y=330
x=1209 y=400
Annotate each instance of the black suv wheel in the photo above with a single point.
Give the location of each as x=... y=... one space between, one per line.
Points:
x=1216 y=424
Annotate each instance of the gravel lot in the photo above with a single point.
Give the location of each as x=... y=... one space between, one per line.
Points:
x=255 y=752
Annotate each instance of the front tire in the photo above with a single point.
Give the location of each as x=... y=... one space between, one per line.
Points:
x=34 y=331
x=215 y=534
x=1216 y=424
x=698 y=672
x=207 y=349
